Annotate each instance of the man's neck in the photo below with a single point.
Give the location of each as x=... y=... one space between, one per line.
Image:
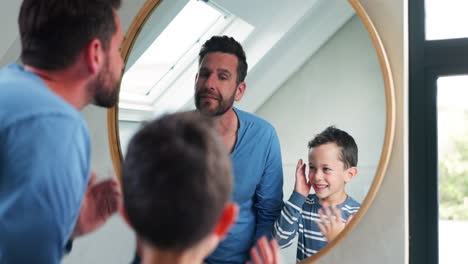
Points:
x=65 y=84
x=227 y=124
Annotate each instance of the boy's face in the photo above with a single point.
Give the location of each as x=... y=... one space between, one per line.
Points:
x=327 y=173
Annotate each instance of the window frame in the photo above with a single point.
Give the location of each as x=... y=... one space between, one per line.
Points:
x=428 y=60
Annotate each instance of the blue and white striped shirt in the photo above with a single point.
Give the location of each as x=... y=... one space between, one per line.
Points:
x=298 y=216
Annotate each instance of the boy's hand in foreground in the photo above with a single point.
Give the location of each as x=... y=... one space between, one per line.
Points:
x=264 y=252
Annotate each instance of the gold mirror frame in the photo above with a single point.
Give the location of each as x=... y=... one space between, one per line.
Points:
x=133 y=33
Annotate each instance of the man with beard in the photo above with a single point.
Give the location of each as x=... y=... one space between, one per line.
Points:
x=70 y=51
x=252 y=142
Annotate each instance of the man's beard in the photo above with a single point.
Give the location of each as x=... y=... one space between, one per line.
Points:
x=104 y=87
x=223 y=105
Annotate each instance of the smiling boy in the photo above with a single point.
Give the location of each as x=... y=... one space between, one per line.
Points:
x=333 y=156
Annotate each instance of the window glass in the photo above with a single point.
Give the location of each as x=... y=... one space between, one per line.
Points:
x=452 y=121
x=446 y=19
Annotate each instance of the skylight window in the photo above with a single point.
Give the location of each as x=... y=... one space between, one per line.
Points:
x=162 y=78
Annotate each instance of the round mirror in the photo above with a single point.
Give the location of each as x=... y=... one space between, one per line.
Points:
x=312 y=64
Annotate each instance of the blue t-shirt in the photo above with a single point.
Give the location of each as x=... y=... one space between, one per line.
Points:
x=44 y=169
x=258 y=188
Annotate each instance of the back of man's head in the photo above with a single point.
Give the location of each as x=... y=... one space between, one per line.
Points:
x=177 y=180
x=53 y=32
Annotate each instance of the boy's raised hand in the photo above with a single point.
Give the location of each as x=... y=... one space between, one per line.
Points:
x=265 y=252
x=302 y=186
x=331 y=225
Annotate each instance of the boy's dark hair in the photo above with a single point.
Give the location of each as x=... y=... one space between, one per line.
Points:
x=176 y=180
x=53 y=32
x=228 y=45
x=349 y=150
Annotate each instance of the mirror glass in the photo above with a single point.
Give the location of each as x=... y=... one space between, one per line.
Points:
x=312 y=64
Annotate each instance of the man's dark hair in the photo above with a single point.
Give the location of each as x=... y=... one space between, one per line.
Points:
x=53 y=32
x=176 y=180
x=228 y=45
x=349 y=149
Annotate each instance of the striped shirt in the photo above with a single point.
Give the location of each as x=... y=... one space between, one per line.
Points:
x=297 y=217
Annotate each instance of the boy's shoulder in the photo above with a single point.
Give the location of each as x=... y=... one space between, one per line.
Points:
x=350 y=206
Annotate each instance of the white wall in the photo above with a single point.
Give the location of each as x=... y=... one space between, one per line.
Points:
x=340 y=85
x=10 y=44
x=381 y=237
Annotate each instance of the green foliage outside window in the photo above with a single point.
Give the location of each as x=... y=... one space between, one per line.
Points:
x=453 y=181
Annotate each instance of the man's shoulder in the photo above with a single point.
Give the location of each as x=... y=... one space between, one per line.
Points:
x=250 y=118
x=24 y=96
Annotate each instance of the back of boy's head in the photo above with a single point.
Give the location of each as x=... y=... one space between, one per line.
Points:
x=349 y=150
x=177 y=179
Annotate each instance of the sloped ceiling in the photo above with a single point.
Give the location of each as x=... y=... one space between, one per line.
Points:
x=291 y=32
x=286 y=35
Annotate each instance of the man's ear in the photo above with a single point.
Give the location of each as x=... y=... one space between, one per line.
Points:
x=227 y=219
x=94 y=55
x=350 y=173
x=240 y=90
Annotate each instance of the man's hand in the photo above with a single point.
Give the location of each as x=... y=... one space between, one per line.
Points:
x=101 y=200
x=269 y=253
x=331 y=225
x=302 y=186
